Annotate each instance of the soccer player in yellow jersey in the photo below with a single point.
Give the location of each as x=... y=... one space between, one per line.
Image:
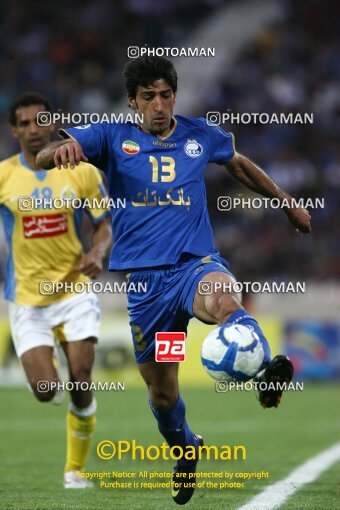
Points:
x=44 y=249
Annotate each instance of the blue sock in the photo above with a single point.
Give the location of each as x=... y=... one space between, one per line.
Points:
x=174 y=427
x=243 y=317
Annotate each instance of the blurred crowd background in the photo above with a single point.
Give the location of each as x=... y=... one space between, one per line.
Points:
x=74 y=53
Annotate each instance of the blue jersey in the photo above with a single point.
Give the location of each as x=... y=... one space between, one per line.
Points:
x=159 y=184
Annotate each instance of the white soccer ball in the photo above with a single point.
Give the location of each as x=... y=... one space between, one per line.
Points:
x=232 y=353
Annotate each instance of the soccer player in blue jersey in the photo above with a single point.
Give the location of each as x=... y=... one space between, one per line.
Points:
x=163 y=237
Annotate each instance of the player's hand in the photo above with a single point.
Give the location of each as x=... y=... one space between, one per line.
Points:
x=300 y=219
x=70 y=153
x=91 y=264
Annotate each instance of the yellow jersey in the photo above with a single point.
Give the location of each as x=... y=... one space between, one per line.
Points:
x=44 y=244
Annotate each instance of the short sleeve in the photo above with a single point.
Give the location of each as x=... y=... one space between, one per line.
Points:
x=2 y=182
x=94 y=194
x=222 y=145
x=92 y=138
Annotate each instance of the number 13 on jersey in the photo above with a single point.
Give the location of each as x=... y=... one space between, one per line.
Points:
x=167 y=171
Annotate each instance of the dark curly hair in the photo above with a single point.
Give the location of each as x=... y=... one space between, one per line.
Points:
x=145 y=70
x=27 y=99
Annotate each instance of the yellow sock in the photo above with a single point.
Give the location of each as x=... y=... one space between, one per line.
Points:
x=79 y=438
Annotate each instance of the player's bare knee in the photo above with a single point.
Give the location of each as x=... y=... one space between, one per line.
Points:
x=44 y=397
x=43 y=393
x=162 y=400
x=221 y=306
x=81 y=373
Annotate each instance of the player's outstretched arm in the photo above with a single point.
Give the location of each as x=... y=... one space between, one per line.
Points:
x=252 y=176
x=61 y=153
x=92 y=262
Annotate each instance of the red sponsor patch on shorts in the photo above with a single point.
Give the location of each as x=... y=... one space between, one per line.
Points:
x=170 y=346
x=46 y=225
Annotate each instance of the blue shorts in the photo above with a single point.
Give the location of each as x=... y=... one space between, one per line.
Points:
x=166 y=304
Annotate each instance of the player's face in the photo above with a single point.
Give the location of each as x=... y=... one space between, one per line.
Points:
x=156 y=104
x=31 y=136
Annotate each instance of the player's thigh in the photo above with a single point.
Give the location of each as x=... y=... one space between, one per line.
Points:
x=39 y=368
x=162 y=382
x=215 y=296
x=157 y=310
x=30 y=328
x=80 y=319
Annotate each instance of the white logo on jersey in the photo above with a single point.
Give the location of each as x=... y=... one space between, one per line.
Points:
x=193 y=149
x=83 y=126
x=68 y=193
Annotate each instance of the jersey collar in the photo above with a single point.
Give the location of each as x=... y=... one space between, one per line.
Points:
x=166 y=136
x=171 y=130
x=39 y=174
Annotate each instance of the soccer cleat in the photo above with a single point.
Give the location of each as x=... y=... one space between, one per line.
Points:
x=182 y=487
x=74 y=480
x=280 y=370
